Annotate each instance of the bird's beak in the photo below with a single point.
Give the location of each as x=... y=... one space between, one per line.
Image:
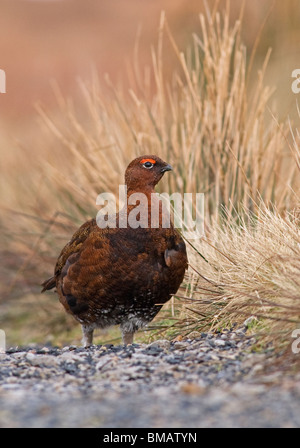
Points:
x=166 y=168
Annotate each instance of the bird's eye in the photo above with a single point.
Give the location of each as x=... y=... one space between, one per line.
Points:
x=148 y=165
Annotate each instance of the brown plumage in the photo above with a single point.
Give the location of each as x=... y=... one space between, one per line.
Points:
x=121 y=275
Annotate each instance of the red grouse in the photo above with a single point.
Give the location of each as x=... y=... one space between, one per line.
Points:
x=122 y=274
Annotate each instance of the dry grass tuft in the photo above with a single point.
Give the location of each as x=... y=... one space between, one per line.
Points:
x=253 y=269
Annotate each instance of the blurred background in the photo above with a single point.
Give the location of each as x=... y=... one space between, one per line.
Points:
x=62 y=40
x=46 y=47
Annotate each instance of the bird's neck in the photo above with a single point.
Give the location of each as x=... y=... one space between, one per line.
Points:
x=145 y=209
x=145 y=189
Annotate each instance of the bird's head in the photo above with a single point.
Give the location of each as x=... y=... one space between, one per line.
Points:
x=145 y=172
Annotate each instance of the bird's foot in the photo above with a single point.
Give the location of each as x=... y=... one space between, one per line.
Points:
x=127 y=337
x=87 y=339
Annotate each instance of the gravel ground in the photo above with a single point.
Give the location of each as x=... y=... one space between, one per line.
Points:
x=211 y=381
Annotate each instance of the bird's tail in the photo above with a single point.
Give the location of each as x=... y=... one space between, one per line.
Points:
x=48 y=284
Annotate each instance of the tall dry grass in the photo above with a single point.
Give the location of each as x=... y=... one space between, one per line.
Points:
x=215 y=129
x=221 y=137
x=252 y=271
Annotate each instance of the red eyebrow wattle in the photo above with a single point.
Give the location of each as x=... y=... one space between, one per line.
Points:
x=148 y=160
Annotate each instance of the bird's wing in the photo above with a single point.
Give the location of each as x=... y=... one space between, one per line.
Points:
x=89 y=275
x=72 y=247
x=175 y=253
